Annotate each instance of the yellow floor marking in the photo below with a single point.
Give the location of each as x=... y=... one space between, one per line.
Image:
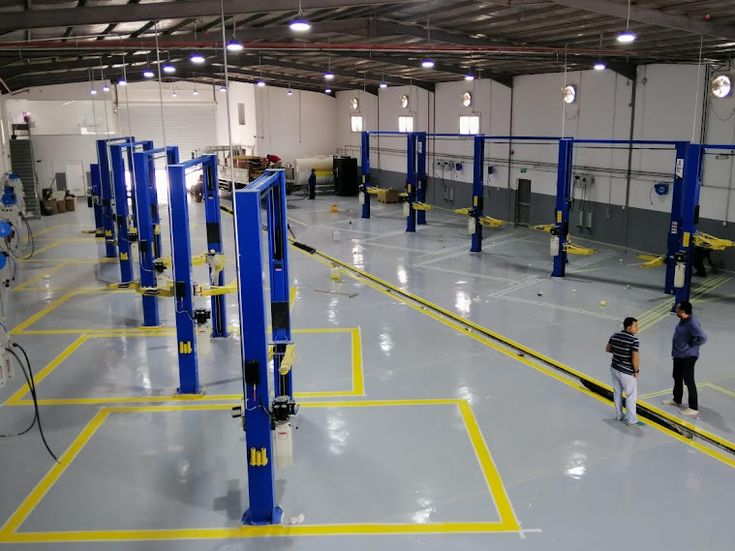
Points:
x=46 y=371
x=490 y=471
x=700 y=386
x=718 y=388
x=44 y=273
x=75 y=260
x=47 y=230
x=362 y=277
x=18 y=329
x=507 y=523
x=37 y=494
x=357 y=374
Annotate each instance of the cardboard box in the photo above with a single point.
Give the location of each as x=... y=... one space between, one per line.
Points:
x=388 y=195
x=70 y=204
x=50 y=205
x=60 y=205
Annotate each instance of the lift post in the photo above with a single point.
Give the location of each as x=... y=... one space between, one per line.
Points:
x=410 y=181
x=421 y=179
x=96 y=199
x=120 y=193
x=181 y=263
x=365 y=167
x=149 y=223
x=260 y=418
x=106 y=193
x=560 y=231
x=673 y=245
x=477 y=192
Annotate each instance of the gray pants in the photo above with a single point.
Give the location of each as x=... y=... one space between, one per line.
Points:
x=628 y=384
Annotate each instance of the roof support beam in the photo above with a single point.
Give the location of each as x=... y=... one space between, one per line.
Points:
x=62 y=17
x=657 y=18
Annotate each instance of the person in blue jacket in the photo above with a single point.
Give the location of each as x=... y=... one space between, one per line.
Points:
x=312 y=184
x=688 y=337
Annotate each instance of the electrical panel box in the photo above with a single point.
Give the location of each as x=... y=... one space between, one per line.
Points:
x=583 y=180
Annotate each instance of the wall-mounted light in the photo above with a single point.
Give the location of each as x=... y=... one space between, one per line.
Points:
x=721 y=86
x=569 y=94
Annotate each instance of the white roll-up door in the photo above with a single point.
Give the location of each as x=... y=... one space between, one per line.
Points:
x=191 y=127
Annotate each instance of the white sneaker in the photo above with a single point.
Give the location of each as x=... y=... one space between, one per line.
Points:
x=689 y=412
x=669 y=403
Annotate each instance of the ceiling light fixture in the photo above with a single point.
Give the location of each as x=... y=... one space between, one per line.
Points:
x=627 y=36
x=92 y=91
x=197 y=58
x=599 y=64
x=427 y=63
x=469 y=77
x=147 y=73
x=195 y=92
x=105 y=87
x=222 y=88
x=260 y=83
x=122 y=82
x=383 y=84
x=299 y=24
x=289 y=92
x=234 y=45
x=328 y=91
x=168 y=68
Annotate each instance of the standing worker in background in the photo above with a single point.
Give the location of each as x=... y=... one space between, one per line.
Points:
x=624 y=347
x=312 y=184
x=688 y=337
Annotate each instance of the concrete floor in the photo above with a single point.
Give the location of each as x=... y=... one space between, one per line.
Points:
x=413 y=434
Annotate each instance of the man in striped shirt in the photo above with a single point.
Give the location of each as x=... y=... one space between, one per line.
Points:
x=624 y=347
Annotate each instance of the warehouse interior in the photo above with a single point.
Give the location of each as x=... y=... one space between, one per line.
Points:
x=308 y=274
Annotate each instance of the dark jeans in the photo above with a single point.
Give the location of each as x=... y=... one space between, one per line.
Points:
x=312 y=191
x=684 y=373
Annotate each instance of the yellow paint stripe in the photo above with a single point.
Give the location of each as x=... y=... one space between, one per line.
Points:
x=44 y=273
x=18 y=329
x=490 y=471
x=37 y=494
x=44 y=231
x=55 y=243
x=47 y=369
x=358 y=374
x=718 y=388
x=364 y=278
x=247 y=532
x=131 y=332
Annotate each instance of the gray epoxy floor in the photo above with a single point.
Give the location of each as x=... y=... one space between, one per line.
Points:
x=572 y=475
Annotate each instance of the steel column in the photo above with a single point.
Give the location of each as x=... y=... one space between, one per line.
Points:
x=365 y=166
x=183 y=286
x=94 y=194
x=675 y=223
x=421 y=180
x=563 y=202
x=108 y=217
x=411 y=180
x=693 y=160
x=213 y=218
x=476 y=213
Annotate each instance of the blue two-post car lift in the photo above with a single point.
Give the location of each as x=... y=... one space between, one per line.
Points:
x=183 y=286
x=149 y=224
x=260 y=417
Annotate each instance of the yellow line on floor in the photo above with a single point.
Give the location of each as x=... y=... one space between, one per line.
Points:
x=18 y=329
x=358 y=374
x=44 y=231
x=718 y=388
x=364 y=278
x=37 y=494
x=247 y=532
x=46 y=371
x=494 y=483
x=44 y=273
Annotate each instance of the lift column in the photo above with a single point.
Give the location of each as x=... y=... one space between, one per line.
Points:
x=108 y=217
x=259 y=418
x=560 y=231
x=149 y=233
x=365 y=166
x=690 y=218
x=477 y=193
x=408 y=209
x=96 y=199
x=675 y=226
x=213 y=218
x=421 y=180
x=121 y=203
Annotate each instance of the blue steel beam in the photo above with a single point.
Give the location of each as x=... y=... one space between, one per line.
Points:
x=693 y=160
x=253 y=318
x=106 y=193
x=96 y=198
x=421 y=179
x=673 y=243
x=365 y=167
x=149 y=234
x=213 y=219
x=476 y=213
x=120 y=193
x=411 y=181
x=560 y=231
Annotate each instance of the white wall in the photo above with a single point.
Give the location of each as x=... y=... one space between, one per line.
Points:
x=348 y=142
x=245 y=134
x=301 y=125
